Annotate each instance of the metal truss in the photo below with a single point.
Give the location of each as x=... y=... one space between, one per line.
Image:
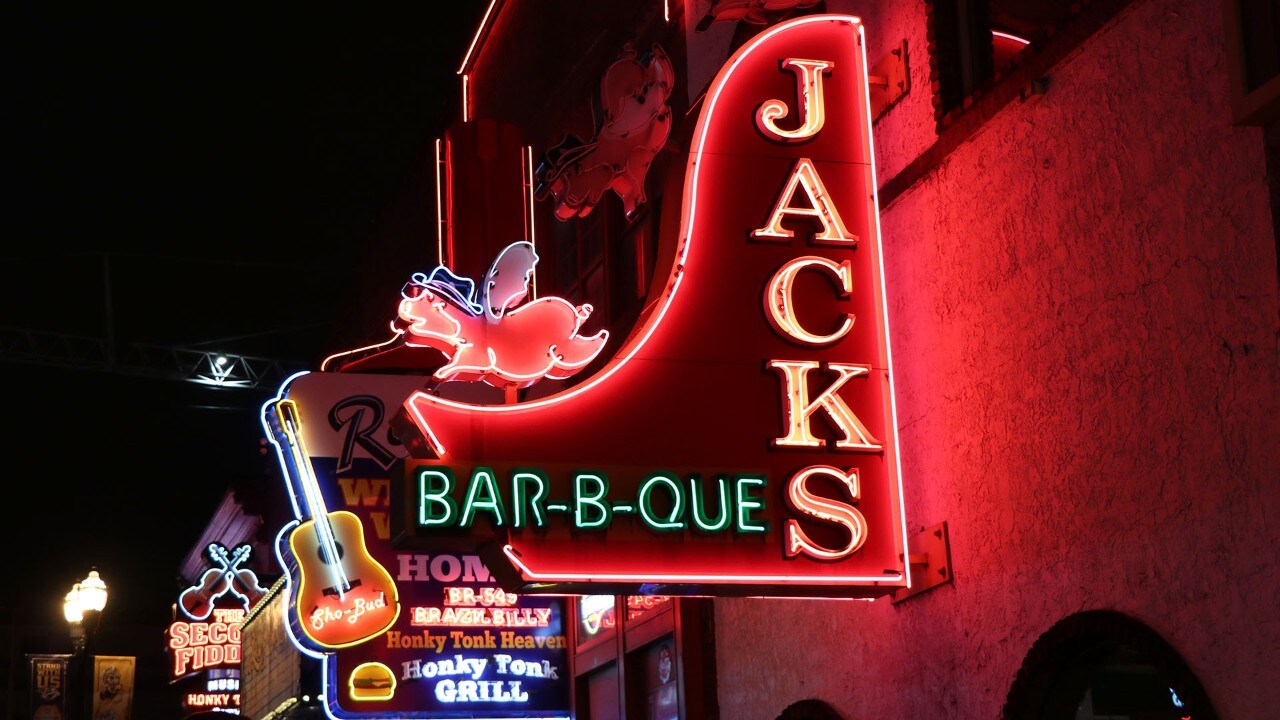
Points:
x=212 y=369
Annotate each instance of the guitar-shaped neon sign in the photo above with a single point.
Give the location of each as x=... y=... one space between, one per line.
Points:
x=343 y=595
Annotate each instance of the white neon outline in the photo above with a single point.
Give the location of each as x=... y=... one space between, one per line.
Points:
x=666 y=10
x=196 y=588
x=269 y=406
x=282 y=536
x=475 y=39
x=235 y=568
x=1011 y=36
x=796 y=541
x=318 y=512
x=883 y=315
x=809 y=81
x=496 y=312
x=661 y=576
x=779 y=298
x=687 y=224
x=230 y=566
x=804 y=176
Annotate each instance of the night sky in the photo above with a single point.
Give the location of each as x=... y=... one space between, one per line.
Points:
x=212 y=171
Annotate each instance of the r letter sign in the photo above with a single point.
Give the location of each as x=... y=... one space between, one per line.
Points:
x=742 y=440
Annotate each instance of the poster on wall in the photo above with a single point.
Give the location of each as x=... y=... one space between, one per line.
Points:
x=404 y=633
x=48 y=686
x=112 y=687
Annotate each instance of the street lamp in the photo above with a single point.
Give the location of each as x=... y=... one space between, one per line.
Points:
x=92 y=599
x=82 y=608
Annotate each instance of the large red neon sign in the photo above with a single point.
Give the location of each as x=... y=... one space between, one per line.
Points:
x=723 y=450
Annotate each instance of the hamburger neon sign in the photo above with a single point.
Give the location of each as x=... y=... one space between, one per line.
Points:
x=743 y=439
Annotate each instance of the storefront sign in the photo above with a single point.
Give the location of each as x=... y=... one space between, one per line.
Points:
x=205 y=645
x=222 y=701
x=743 y=439
x=439 y=638
x=204 y=638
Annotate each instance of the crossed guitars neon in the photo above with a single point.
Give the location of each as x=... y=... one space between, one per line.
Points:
x=228 y=577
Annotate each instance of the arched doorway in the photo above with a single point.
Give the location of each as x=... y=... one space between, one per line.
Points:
x=810 y=709
x=1102 y=664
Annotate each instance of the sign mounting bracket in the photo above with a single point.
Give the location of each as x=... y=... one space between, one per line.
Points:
x=929 y=560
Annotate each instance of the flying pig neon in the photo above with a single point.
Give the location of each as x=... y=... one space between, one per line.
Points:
x=497 y=338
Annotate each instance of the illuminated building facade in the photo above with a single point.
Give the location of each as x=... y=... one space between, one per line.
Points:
x=1079 y=273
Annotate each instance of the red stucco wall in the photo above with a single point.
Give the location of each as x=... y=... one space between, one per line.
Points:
x=1084 y=320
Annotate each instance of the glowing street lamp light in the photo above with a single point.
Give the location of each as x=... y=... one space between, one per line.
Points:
x=93 y=592
x=83 y=606
x=71 y=606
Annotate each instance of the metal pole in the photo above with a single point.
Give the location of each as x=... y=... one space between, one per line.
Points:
x=86 y=650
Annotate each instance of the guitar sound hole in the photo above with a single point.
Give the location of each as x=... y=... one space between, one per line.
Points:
x=324 y=555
